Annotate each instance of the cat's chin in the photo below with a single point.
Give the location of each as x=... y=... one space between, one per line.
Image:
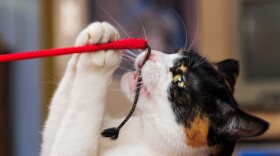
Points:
x=129 y=85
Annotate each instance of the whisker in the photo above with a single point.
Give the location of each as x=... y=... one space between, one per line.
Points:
x=184 y=25
x=51 y=78
x=128 y=60
x=130 y=52
x=121 y=72
x=137 y=52
x=197 y=62
x=139 y=19
x=108 y=14
x=203 y=60
x=125 y=68
x=129 y=57
x=197 y=31
x=191 y=59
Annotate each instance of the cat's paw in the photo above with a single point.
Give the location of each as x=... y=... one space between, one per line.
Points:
x=106 y=60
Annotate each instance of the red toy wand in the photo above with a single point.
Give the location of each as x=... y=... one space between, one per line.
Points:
x=113 y=133
x=119 y=44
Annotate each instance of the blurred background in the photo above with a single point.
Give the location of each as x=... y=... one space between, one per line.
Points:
x=247 y=30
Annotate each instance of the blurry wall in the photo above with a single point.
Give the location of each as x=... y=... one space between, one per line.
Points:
x=69 y=18
x=19 y=27
x=215 y=41
x=5 y=141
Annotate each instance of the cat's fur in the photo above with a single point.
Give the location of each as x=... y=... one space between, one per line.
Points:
x=198 y=117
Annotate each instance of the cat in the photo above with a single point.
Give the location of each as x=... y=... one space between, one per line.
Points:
x=186 y=105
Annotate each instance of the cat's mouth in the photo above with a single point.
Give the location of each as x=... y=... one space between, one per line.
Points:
x=129 y=82
x=139 y=62
x=130 y=79
x=133 y=84
x=129 y=85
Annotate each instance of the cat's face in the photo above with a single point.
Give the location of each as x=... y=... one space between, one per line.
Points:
x=194 y=98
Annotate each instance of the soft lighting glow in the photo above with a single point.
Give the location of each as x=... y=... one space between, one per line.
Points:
x=70 y=17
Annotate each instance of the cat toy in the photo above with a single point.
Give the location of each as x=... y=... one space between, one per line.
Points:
x=113 y=133
x=130 y=43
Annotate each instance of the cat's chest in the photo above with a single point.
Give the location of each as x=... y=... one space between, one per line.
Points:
x=136 y=149
x=143 y=149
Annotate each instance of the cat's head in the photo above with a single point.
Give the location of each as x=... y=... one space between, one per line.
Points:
x=183 y=93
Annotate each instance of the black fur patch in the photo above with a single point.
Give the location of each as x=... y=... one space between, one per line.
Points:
x=209 y=95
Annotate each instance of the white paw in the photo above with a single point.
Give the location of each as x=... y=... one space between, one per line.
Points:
x=102 y=60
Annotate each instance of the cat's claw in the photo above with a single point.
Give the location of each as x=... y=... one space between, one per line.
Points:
x=106 y=60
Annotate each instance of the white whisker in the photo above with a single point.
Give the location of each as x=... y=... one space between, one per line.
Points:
x=197 y=62
x=182 y=21
x=99 y=4
x=130 y=52
x=125 y=68
x=202 y=61
x=139 y=19
x=197 y=31
x=128 y=56
x=191 y=59
x=128 y=60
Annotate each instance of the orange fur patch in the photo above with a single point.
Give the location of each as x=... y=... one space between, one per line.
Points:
x=198 y=132
x=183 y=68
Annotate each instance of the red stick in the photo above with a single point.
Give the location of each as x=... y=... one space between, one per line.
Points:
x=120 y=44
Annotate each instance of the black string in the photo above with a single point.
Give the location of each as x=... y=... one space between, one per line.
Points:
x=113 y=133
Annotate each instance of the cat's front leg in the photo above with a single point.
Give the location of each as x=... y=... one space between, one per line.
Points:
x=79 y=131
x=58 y=106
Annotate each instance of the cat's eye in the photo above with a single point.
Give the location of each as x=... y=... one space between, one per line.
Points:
x=179 y=81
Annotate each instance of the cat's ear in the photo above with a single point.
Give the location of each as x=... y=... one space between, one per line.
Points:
x=235 y=123
x=229 y=69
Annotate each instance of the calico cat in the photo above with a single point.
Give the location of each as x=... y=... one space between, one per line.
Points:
x=186 y=105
